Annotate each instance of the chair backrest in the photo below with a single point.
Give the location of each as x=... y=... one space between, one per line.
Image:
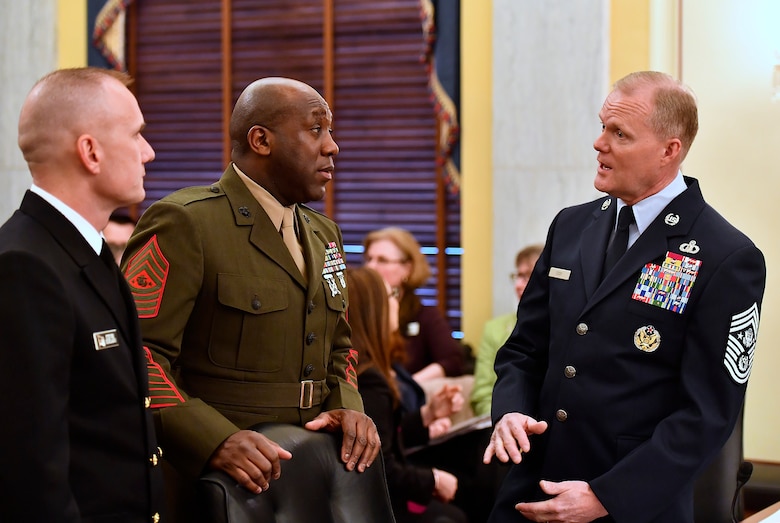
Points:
x=314 y=486
x=715 y=489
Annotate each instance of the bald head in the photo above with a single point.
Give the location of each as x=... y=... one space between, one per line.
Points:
x=266 y=102
x=61 y=106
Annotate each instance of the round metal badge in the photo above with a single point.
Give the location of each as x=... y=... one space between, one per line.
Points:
x=647 y=338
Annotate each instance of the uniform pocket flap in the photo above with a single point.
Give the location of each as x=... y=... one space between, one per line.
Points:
x=251 y=294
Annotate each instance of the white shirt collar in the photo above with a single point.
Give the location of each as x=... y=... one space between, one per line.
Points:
x=647 y=210
x=93 y=237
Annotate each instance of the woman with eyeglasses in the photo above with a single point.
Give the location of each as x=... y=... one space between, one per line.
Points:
x=418 y=494
x=430 y=350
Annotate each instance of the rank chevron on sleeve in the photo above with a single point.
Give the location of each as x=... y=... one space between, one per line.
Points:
x=146 y=274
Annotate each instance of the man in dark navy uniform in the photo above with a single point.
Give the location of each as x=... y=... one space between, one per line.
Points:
x=626 y=371
x=78 y=443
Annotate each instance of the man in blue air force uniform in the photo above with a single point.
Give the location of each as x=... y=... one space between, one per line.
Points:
x=619 y=384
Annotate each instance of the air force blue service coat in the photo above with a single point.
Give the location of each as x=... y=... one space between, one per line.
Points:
x=642 y=376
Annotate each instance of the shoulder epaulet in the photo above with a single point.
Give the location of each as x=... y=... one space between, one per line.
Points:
x=194 y=194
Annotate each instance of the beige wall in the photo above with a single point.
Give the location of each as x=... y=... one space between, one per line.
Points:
x=71 y=28
x=476 y=164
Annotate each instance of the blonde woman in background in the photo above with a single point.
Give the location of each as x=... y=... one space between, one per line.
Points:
x=430 y=350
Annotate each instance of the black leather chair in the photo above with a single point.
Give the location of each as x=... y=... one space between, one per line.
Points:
x=315 y=486
x=715 y=490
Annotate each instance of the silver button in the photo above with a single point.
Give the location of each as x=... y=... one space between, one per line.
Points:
x=561 y=415
x=582 y=329
x=570 y=371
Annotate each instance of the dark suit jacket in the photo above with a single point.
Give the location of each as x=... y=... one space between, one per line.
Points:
x=406 y=482
x=638 y=397
x=78 y=440
x=232 y=325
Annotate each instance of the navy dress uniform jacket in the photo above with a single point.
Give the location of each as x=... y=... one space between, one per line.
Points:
x=236 y=336
x=638 y=396
x=78 y=442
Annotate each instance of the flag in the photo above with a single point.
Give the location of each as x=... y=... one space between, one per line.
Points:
x=106 y=33
x=441 y=30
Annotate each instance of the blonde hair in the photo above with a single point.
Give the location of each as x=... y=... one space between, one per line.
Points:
x=674 y=113
x=410 y=250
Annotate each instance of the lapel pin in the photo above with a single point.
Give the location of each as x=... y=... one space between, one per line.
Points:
x=672 y=219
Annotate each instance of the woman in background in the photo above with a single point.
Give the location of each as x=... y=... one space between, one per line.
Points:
x=418 y=494
x=430 y=350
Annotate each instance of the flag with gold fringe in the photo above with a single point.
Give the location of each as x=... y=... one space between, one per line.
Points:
x=106 y=27
x=441 y=30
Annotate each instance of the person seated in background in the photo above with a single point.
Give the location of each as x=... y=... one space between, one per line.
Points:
x=418 y=494
x=496 y=332
x=118 y=230
x=431 y=351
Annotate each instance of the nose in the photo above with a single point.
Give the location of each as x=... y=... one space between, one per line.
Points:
x=330 y=147
x=600 y=144
x=148 y=152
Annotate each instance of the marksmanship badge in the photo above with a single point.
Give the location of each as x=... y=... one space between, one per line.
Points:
x=647 y=338
x=741 y=344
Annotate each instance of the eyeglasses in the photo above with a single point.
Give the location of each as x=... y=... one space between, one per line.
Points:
x=514 y=276
x=381 y=260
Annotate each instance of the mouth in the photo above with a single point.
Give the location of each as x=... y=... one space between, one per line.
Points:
x=326 y=172
x=604 y=167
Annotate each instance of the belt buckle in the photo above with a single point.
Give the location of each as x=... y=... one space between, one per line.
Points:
x=307 y=394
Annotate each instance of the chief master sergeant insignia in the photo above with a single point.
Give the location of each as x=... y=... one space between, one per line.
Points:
x=647 y=338
x=741 y=344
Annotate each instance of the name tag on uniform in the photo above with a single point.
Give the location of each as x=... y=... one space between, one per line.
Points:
x=105 y=339
x=559 y=274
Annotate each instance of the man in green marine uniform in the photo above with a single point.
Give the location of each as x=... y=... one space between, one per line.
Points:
x=242 y=299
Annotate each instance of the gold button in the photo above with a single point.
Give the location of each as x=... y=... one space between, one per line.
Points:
x=147 y=402
x=570 y=371
x=561 y=415
x=153 y=460
x=156 y=517
x=582 y=329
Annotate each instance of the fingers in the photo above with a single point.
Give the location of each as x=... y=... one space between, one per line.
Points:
x=361 y=443
x=251 y=459
x=510 y=437
x=489 y=452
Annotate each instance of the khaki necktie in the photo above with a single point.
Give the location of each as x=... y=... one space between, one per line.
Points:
x=291 y=240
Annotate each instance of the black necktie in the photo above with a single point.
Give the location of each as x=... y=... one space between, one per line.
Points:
x=619 y=242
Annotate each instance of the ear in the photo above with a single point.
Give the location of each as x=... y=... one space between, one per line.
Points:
x=259 y=139
x=89 y=152
x=672 y=151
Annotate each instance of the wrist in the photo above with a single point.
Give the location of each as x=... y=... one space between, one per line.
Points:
x=435 y=479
